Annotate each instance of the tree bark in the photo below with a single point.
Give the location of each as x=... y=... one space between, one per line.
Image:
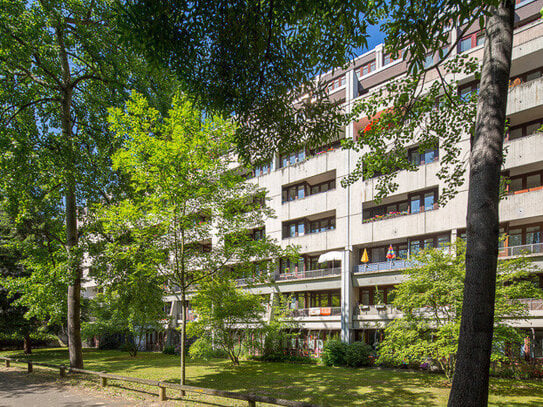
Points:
x=470 y=381
x=27 y=344
x=183 y=335
x=75 y=348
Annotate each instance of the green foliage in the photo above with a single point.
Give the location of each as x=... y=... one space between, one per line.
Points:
x=334 y=352
x=128 y=308
x=358 y=354
x=431 y=302
x=224 y=315
x=337 y=353
x=437 y=116
x=62 y=65
x=202 y=349
x=257 y=61
x=169 y=350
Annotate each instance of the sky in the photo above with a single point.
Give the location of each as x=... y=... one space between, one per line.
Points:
x=375 y=37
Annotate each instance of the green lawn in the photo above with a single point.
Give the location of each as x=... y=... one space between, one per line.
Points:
x=317 y=384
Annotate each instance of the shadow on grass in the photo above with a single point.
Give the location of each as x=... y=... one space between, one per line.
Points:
x=316 y=384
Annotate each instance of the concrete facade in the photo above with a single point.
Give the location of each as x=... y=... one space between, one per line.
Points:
x=340 y=299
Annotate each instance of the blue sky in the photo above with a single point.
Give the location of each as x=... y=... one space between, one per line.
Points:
x=375 y=37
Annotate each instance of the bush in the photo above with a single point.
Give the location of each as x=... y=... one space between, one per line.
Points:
x=111 y=342
x=358 y=354
x=334 y=352
x=169 y=350
x=284 y=358
x=202 y=349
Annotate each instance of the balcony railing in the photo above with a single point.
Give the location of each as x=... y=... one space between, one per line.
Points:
x=316 y=311
x=309 y=274
x=533 y=304
x=384 y=266
x=525 y=249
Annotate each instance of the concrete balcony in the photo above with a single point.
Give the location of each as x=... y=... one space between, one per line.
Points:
x=535 y=249
x=404 y=226
x=374 y=316
x=521 y=205
x=317 y=242
x=408 y=181
x=318 y=318
x=318 y=164
x=384 y=266
x=311 y=204
x=525 y=96
x=524 y=151
x=309 y=274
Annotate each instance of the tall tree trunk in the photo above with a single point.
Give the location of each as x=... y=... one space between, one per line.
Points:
x=74 y=289
x=75 y=347
x=470 y=382
x=27 y=344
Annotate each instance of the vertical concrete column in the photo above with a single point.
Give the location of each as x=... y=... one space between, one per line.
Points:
x=453 y=38
x=379 y=51
x=346 y=264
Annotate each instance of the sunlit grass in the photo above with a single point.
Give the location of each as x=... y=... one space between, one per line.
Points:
x=316 y=384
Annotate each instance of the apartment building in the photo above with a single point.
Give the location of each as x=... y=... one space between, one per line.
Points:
x=313 y=211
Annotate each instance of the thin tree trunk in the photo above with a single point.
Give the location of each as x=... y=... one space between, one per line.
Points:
x=183 y=335
x=75 y=348
x=27 y=344
x=470 y=382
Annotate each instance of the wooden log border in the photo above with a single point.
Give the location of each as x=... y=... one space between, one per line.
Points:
x=251 y=399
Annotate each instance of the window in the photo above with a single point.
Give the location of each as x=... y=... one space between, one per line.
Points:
x=428 y=156
x=291 y=158
x=416 y=245
x=415 y=203
x=300 y=191
x=526 y=77
x=429 y=201
x=388 y=58
x=303 y=226
x=471 y=41
x=259 y=234
x=429 y=61
x=524 y=182
x=525 y=129
x=367 y=68
x=468 y=90
x=262 y=170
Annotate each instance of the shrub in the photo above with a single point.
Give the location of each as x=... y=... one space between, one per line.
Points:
x=333 y=353
x=202 y=349
x=284 y=358
x=169 y=350
x=358 y=354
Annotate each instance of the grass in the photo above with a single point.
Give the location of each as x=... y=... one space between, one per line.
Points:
x=317 y=384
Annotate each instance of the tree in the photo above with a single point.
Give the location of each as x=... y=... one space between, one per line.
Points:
x=132 y=307
x=189 y=206
x=431 y=300
x=61 y=66
x=421 y=29
x=255 y=60
x=225 y=314
x=13 y=321
x=177 y=32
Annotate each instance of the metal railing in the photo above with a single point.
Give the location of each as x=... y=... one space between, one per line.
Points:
x=525 y=249
x=251 y=399
x=384 y=266
x=309 y=274
x=316 y=311
x=533 y=304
